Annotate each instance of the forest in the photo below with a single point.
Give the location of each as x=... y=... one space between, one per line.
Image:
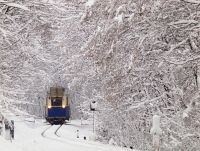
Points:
x=135 y=58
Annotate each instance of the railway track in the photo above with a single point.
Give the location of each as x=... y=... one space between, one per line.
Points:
x=56 y=131
x=43 y=133
x=48 y=128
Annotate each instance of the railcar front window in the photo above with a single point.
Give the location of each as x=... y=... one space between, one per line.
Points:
x=56 y=101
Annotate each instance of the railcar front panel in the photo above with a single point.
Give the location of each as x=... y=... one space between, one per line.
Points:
x=57 y=112
x=58 y=115
x=57 y=106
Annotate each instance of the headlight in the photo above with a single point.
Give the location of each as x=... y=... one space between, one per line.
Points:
x=49 y=107
x=63 y=106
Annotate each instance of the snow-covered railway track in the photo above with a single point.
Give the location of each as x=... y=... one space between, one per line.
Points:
x=48 y=128
x=43 y=132
x=56 y=131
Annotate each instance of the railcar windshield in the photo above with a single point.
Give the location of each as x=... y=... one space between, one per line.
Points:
x=56 y=101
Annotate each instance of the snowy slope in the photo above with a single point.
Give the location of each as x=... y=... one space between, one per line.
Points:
x=29 y=137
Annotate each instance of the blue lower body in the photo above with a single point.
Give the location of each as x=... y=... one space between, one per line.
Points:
x=58 y=115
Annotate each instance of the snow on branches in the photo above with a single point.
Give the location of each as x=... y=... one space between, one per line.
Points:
x=153 y=69
x=40 y=45
x=14 y=5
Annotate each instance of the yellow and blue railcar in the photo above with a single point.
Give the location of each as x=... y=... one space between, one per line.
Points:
x=57 y=106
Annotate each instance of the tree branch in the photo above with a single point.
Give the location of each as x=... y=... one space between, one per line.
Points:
x=14 y=5
x=191 y=1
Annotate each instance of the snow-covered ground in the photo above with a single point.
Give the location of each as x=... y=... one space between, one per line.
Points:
x=29 y=137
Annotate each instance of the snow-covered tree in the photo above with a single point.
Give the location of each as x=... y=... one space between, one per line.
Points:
x=147 y=56
x=40 y=46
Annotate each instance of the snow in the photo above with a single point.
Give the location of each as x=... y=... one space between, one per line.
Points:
x=89 y=3
x=18 y=6
x=149 y=68
x=156 y=125
x=15 y=5
x=119 y=18
x=184 y=22
x=192 y=1
x=3 y=31
x=28 y=137
x=145 y=101
x=186 y=112
x=112 y=142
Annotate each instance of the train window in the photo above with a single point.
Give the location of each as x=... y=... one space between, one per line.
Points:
x=56 y=101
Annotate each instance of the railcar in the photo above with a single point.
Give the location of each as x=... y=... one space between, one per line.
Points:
x=57 y=109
